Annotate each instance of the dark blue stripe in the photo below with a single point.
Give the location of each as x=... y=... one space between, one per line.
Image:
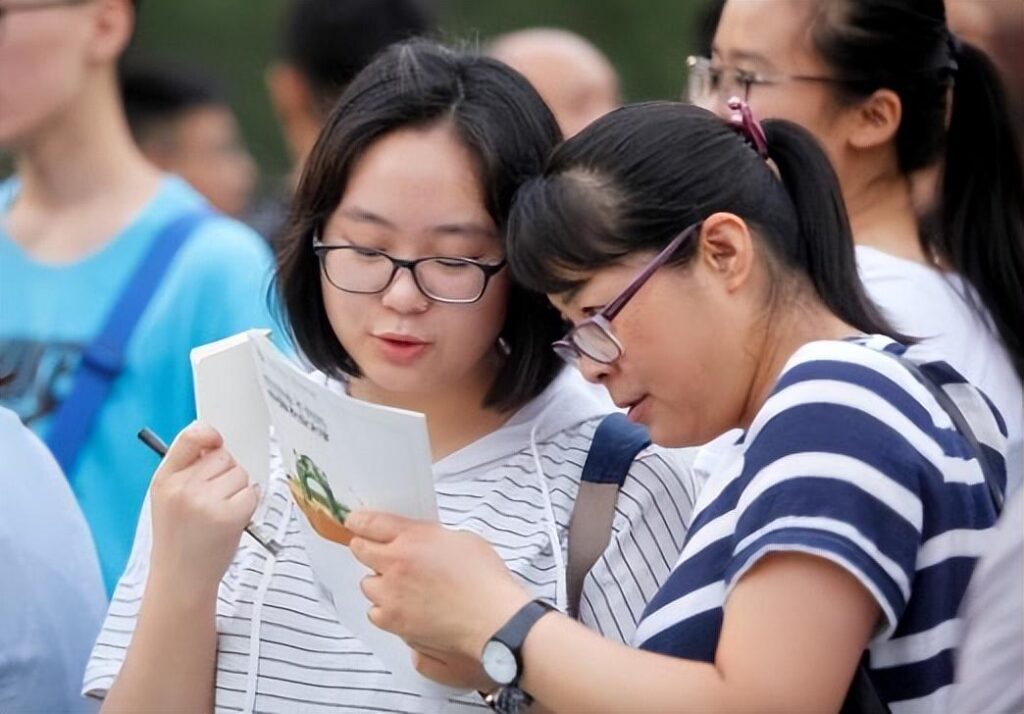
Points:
x=703 y=569
x=911 y=681
x=831 y=544
x=695 y=638
x=938 y=592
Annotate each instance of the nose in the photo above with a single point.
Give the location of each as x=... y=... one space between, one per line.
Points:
x=403 y=295
x=594 y=371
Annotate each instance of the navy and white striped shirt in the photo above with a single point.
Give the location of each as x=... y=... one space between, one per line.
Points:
x=850 y=459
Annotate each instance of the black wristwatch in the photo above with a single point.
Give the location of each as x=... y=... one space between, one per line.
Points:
x=502 y=659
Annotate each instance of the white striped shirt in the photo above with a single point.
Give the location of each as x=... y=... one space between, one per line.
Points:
x=281 y=647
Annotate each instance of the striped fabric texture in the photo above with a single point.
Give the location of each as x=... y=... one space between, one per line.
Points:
x=852 y=460
x=282 y=649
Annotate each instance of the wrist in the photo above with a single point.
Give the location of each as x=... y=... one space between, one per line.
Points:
x=500 y=612
x=182 y=595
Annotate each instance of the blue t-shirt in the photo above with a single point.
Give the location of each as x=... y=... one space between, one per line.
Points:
x=852 y=460
x=216 y=286
x=51 y=594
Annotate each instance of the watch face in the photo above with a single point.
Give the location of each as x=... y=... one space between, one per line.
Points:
x=499 y=662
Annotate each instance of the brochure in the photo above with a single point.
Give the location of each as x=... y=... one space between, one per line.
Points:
x=339 y=453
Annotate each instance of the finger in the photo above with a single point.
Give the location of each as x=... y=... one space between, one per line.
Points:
x=212 y=464
x=377 y=526
x=372 y=587
x=227 y=484
x=243 y=504
x=375 y=556
x=436 y=669
x=189 y=445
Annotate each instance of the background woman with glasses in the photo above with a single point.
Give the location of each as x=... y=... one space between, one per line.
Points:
x=395 y=287
x=710 y=290
x=903 y=108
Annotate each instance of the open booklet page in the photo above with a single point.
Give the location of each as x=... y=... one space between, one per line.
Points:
x=341 y=454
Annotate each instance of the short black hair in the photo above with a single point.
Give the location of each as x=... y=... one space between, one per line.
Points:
x=509 y=130
x=330 y=41
x=156 y=93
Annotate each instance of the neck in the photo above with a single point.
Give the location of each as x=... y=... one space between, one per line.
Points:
x=85 y=154
x=779 y=336
x=882 y=215
x=455 y=414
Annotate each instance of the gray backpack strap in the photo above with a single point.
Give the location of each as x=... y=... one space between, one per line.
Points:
x=615 y=445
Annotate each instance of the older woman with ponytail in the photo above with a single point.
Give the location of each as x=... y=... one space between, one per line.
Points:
x=710 y=277
x=892 y=94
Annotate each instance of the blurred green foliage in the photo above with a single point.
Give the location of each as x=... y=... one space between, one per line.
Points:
x=647 y=41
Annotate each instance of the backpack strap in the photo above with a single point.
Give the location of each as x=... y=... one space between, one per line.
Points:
x=615 y=445
x=960 y=423
x=862 y=697
x=103 y=359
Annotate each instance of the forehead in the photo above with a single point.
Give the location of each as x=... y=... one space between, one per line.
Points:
x=418 y=176
x=772 y=30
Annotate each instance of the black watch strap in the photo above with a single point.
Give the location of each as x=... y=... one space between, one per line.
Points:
x=511 y=699
x=513 y=633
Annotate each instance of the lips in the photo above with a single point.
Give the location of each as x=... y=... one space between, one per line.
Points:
x=636 y=409
x=400 y=349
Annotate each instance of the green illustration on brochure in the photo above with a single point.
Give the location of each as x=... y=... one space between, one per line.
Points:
x=312 y=492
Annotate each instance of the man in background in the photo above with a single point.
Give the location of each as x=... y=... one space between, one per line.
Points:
x=323 y=45
x=183 y=124
x=84 y=217
x=576 y=81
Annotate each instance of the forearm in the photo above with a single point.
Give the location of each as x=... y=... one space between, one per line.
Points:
x=570 y=668
x=171 y=662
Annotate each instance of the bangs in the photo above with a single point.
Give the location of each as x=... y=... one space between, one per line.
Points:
x=561 y=229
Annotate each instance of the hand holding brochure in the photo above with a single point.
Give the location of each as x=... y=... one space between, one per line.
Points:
x=340 y=454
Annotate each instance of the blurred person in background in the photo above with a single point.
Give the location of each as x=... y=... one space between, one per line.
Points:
x=182 y=122
x=889 y=91
x=110 y=271
x=571 y=75
x=323 y=45
x=52 y=593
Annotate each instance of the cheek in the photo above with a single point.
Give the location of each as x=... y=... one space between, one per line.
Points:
x=38 y=77
x=472 y=330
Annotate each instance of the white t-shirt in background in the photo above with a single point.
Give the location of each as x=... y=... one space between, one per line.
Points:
x=934 y=306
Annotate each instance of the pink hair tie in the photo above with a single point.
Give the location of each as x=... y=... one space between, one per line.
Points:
x=742 y=120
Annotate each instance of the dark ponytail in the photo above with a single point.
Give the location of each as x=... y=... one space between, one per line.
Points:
x=824 y=246
x=633 y=179
x=977 y=226
x=981 y=209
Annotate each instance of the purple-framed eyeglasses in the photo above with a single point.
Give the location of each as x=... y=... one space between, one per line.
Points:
x=594 y=337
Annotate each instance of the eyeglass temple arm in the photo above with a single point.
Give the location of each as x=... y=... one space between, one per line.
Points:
x=616 y=305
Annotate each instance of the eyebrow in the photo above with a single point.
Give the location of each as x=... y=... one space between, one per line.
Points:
x=744 y=56
x=467 y=228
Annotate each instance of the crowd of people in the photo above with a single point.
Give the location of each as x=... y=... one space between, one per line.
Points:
x=803 y=287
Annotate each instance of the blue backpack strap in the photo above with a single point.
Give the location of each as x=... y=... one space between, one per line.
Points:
x=615 y=445
x=103 y=359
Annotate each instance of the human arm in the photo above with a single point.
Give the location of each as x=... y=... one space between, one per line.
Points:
x=795 y=626
x=201 y=501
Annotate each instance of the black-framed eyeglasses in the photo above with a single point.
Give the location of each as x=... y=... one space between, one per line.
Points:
x=367 y=271
x=594 y=337
x=11 y=6
x=709 y=81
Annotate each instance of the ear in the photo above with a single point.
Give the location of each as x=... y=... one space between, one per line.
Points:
x=289 y=93
x=876 y=120
x=113 y=22
x=727 y=250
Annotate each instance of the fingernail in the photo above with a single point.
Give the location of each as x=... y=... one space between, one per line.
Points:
x=354 y=521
